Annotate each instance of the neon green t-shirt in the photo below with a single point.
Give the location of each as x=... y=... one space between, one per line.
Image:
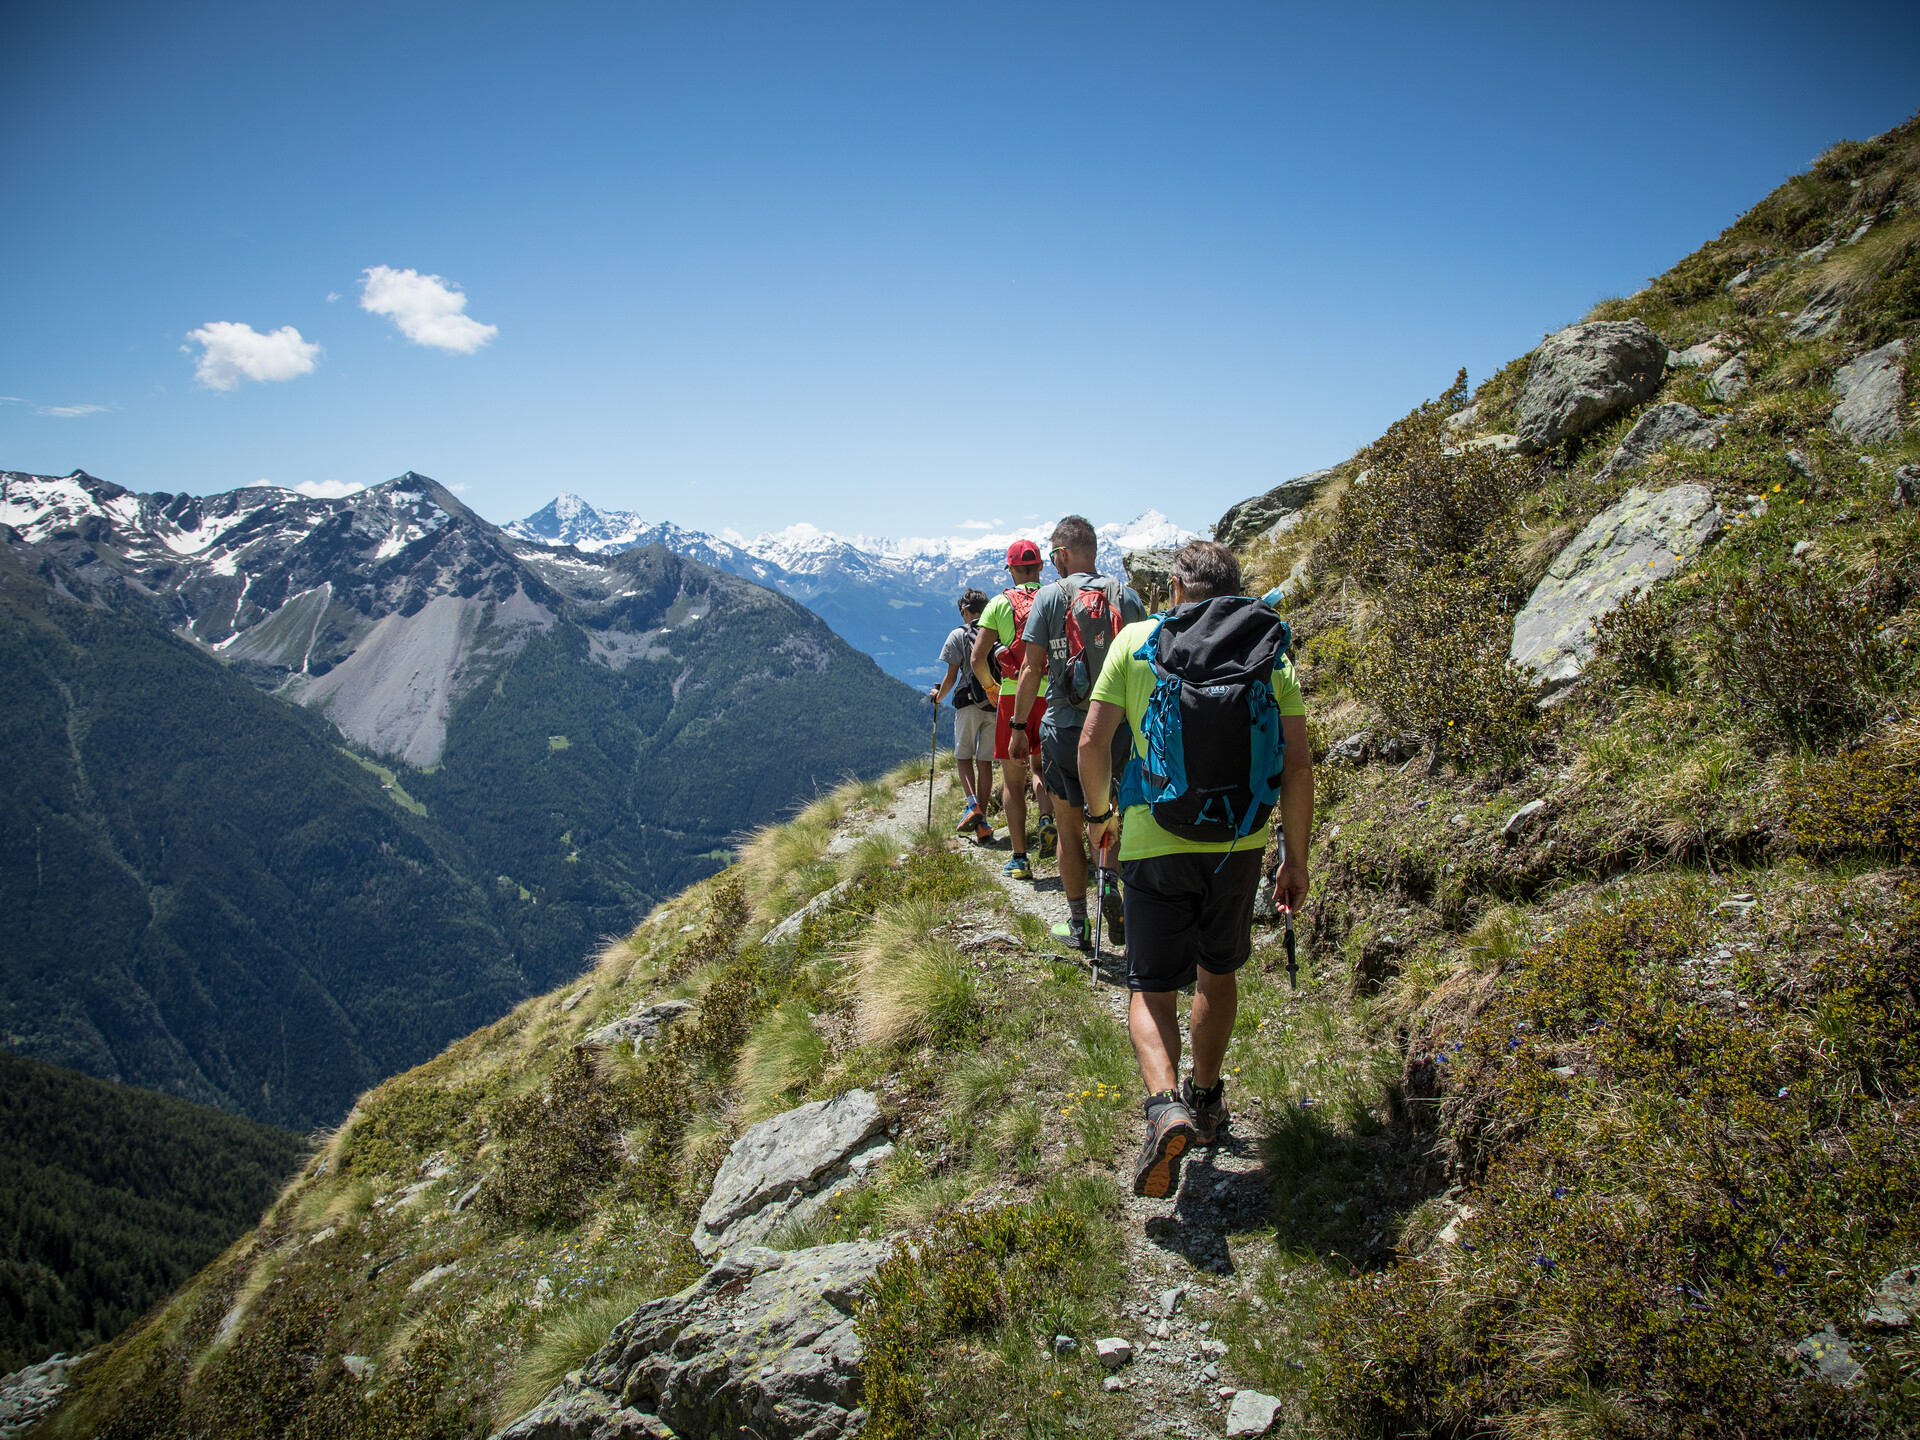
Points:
x=1128 y=682
x=998 y=617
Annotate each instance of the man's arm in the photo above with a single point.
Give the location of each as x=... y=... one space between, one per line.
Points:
x=983 y=644
x=939 y=692
x=1033 y=669
x=1096 y=765
x=1296 y=813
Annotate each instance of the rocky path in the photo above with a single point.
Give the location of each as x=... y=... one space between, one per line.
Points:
x=1181 y=1264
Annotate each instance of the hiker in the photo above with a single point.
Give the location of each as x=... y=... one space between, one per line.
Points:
x=996 y=662
x=973 y=715
x=1068 y=630
x=1211 y=695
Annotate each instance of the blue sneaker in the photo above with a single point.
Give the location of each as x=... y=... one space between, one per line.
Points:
x=1017 y=869
x=970 y=818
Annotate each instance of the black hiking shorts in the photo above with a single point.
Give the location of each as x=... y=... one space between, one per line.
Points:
x=1188 y=912
x=1060 y=764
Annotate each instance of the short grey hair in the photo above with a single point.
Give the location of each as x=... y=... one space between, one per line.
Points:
x=1205 y=569
x=1075 y=533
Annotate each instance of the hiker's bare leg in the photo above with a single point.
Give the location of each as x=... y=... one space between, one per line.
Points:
x=1042 y=794
x=1073 y=854
x=1016 y=797
x=1216 y=1001
x=1153 y=1023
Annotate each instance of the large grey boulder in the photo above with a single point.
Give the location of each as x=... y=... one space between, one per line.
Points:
x=642 y=1026
x=1584 y=374
x=1872 y=406
x=764 y=1344
x=1639 y=540
x=1661 y=426
x=785 y=1170
x=1253 y=518
x=1150 y=573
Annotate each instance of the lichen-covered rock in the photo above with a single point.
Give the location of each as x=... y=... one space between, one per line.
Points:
x=1728 y=382
x=764 y=1344
x=1872 y=406
x=789 y=928
x=29 y=1395
x=785 y=1169
x=1661 y=426
x=642 y=1025
x=1640 y=539
x=1150 y=573
x=1252 y=518
x=1584 y=374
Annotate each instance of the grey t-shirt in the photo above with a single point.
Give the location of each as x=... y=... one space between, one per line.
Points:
x=1047 y=625
x=959 y=651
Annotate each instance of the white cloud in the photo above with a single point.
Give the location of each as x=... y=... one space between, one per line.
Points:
x=234 y=351
x=314 y=489
x=458 y=489
x=978 y=524
x=332 y=295
x=70 y=412
x=426 y=309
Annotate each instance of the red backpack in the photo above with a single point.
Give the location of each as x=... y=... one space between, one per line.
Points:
x=1004 y=660
x=1093 y=619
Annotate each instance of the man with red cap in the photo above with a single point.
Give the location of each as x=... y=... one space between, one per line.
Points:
x=996 y=662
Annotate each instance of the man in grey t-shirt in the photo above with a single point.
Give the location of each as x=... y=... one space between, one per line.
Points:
x=1075 y=552
x=973 y=715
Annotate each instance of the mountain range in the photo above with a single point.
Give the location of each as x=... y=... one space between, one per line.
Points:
x=894 y=599
x=301 y=789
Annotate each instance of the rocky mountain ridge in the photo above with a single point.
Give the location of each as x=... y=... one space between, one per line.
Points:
x=891 y=598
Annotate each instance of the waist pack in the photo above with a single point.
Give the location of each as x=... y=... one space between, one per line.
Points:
x=968 y=691
x=1211 y=731
x=1093 y=619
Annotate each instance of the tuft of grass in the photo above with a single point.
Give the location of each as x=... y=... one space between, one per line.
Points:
x=909 y=986
x=565 y=1341
x=781 y=1055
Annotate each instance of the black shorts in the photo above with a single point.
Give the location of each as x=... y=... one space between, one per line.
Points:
x=1188 y=911
x=1060 y=764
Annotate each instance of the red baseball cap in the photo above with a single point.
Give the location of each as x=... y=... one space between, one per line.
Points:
x=1023 y=552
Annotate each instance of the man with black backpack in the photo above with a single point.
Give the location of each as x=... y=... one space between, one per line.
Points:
x=1219 y=736
x=973 y=714
x=1068 y=630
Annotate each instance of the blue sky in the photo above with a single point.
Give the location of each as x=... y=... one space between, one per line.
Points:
x=882 y=267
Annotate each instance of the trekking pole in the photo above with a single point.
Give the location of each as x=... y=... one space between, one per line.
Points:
x=1293 y=974
x=1099 y=910
x=933 y=746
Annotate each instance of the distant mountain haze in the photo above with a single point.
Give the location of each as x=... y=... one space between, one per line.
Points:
x=301 y=789
x=894 y=599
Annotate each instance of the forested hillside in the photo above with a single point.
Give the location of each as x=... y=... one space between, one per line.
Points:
x=110 y=1197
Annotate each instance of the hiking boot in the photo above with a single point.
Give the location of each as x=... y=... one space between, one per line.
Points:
x=1209 y=1116
x=1077 y=933
x=1017 y=868
x=1170 y=1130
x=1049 y=837
x=970 y=817
x=982 y=831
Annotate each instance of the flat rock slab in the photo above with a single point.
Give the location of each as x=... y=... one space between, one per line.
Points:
x=1639 y=540
x=1872 y=408
x=764 y=1344
x=784 y=1169
x=29 y=1395
x=1584 y=374
x=642 y=1026
x=789 y=928
x=1251 y=1413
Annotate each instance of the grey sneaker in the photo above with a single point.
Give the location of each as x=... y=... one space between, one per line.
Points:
x=1170 y=1130
x=1210 y=1118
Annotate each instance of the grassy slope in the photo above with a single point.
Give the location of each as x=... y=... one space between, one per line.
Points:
x=1724 y=1166
x=110 y=1197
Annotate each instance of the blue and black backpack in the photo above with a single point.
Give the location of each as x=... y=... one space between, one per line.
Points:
x=1212 y=728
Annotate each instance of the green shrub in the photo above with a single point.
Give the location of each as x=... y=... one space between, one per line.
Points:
x=1865 y=799
x=1426 y=499
x=1806 y=654
x=726 y=915
x=1635 y=644
x=1437 y=665
x=559 y=1146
